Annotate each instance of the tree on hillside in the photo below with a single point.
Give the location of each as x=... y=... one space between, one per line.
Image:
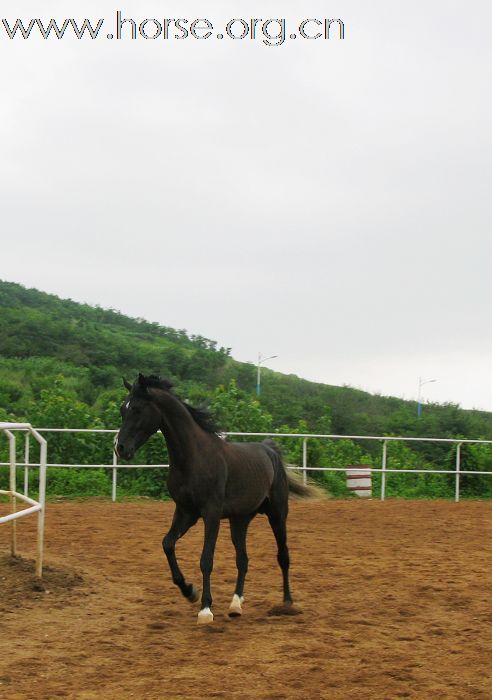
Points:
x=236 y=410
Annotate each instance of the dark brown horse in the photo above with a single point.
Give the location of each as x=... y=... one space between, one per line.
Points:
x=212 y=479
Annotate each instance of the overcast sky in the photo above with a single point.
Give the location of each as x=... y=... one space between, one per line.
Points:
x=325 y=201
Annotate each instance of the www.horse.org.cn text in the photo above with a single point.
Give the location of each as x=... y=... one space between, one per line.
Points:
x=269 y=32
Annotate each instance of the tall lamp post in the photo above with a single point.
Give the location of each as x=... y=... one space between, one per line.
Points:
x=419 y=397
x=261 y=360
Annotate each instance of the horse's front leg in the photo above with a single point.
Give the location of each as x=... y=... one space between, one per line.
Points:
x=212 y=525
x=182 y=521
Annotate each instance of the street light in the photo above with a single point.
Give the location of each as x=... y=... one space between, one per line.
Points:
x=261 y=360
x=419 y=403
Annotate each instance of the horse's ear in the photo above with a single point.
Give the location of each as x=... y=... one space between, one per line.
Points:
x=127 y=384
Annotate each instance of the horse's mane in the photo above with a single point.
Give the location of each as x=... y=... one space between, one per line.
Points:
x=202 y=416
x=153 y=381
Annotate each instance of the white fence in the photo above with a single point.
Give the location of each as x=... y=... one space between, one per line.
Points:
x=304 y=468
x=8 y=429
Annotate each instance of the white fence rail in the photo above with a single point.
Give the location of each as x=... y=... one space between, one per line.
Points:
x=304 y=468
x=9 y=430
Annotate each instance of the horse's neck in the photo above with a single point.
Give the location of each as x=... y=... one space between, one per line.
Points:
x=180 y=431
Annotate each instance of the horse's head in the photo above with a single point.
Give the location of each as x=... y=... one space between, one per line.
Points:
x=140 y=416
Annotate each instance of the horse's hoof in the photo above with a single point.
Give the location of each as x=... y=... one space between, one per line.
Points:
x=194 y=595
x=235 y=609
x=205 y=617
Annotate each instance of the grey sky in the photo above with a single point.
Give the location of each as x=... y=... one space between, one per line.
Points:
x=325 y=201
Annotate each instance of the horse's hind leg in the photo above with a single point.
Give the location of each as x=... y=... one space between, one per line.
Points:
x=278 y=522
x=239 y=529
x=182 y=521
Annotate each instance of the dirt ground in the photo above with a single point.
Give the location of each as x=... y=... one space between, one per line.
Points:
x=395 y=602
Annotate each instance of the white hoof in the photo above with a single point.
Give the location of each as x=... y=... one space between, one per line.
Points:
x=235 y=608
x=205 y=617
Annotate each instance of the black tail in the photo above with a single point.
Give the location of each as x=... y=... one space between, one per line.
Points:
x=297 y=487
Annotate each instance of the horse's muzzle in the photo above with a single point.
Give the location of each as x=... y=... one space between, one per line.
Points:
x=123 y=452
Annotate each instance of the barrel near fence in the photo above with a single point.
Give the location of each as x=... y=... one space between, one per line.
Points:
x=359 y=480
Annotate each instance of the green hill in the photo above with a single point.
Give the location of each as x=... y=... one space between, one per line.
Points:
x=42 y=336
x=61 y=365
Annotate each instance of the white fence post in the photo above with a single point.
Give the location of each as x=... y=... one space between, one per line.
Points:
x=458 y=467
x=26 y=467
x=304 y=461
x=383 y=467
x=115 y=470
x=12 y=487
x=42 y=502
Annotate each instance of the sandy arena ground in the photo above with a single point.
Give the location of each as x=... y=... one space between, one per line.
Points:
x=395 y=600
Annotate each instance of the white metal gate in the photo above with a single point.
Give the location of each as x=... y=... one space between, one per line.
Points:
x=8 y=429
